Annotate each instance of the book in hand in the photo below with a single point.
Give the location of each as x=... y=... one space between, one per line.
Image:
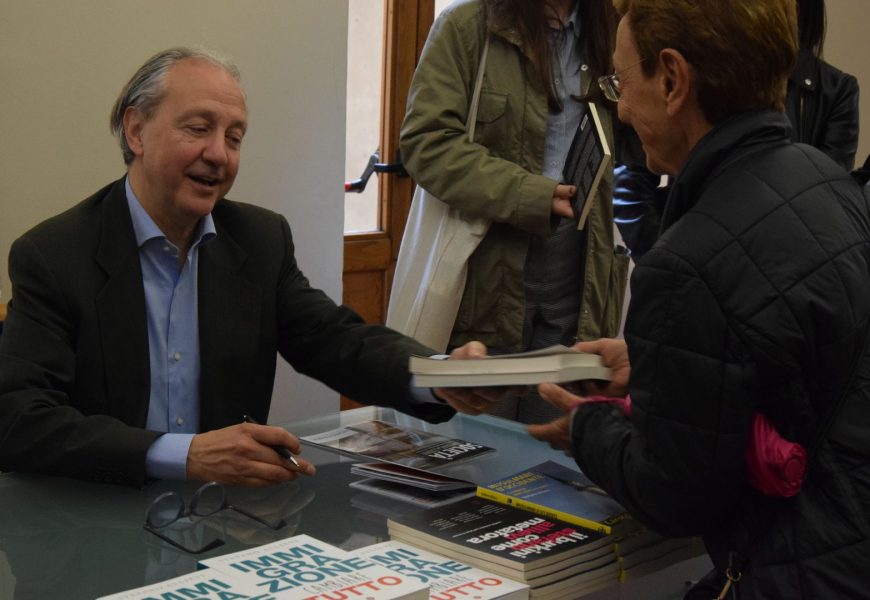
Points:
x=555 y=364
x=448 y=579
x=558 y=492
x=588 y=158
x=206 y=584
x=420 y=478
x=304 y=568
x=387 y=442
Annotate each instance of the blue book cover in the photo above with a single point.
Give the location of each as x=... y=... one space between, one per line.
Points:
x=558 y=492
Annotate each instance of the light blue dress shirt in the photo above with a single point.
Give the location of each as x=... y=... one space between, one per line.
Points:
x=566 y=71
x=173 y=339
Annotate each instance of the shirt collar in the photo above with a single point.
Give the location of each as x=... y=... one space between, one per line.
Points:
x=145 y=229
x=572 y=24
x=574 y=20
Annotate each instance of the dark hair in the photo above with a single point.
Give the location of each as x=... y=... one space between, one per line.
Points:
x=812 y=24
x=529 y=19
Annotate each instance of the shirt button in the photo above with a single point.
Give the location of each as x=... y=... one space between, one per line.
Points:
x=176 y=356
x=179 y=421
x=166 y=249
x=584 y=67
x=808 y=81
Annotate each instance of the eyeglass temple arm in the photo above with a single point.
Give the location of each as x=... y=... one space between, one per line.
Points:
x=278 y=525
x=215 y=543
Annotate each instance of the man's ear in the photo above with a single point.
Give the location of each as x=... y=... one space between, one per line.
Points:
x=677 y=84
x=134 y=120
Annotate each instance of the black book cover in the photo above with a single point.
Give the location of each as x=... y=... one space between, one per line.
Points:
x=588 y=158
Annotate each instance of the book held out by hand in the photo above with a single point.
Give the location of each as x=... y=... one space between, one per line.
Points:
x=555 y=364
x=588 y=158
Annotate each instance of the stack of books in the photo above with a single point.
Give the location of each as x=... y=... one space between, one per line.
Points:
x=555 y=364
x=557 y=560
x=304 y=568
x=407 y=461
x=448 y=579
x=558 y=492
x=555 y=491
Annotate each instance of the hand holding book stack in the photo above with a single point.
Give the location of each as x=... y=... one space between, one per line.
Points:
x=555 y=364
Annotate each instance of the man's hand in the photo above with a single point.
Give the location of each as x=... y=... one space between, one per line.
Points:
x=614 y=355
x=472 y=401
x=561 y=205
x=243 y=455
x=556 y=433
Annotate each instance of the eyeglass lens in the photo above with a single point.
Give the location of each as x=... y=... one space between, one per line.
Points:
x=212 y=498
x=166 y=509
x=207 y=500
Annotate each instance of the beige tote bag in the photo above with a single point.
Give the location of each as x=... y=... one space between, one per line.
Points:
x=433 y=257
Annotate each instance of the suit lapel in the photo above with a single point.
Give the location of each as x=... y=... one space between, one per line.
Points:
x=120 y=306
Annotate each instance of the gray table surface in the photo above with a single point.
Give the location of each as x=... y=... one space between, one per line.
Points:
x=62 y=538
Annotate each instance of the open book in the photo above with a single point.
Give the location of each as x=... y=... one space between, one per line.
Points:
x=588 y=158
x=556 y=364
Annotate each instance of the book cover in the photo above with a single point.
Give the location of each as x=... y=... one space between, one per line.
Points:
x=558 y=492
x=413 y=495
x=378 y=440
x=588 y=158
x=304 y=568
x=411 y=476
x=447 y=578
x=499 y=534
x=556 y=364
x=207 y=584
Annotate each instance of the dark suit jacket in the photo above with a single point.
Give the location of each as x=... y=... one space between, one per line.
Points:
x=74 y=364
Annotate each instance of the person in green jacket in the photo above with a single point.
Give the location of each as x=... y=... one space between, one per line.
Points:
x=535 y=280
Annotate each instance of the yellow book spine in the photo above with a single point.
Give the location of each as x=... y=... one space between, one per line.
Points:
x=489 y=494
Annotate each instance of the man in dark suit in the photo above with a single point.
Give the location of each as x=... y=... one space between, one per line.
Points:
x=146 y=320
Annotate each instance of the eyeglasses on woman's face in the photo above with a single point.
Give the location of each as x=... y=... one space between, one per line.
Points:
x=611 y=84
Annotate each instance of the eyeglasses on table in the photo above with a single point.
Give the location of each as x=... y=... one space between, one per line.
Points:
x=208 y=500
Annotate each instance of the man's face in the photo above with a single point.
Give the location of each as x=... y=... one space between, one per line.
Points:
x=641 y=103
x=187 y=153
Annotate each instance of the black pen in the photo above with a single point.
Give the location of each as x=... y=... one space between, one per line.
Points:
x=281 y=450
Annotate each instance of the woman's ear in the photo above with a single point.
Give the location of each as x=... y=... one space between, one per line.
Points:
x=677 y=84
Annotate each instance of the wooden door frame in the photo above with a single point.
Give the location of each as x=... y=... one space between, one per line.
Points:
x=370 y=258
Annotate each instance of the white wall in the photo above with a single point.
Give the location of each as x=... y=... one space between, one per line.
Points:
x=63 y=63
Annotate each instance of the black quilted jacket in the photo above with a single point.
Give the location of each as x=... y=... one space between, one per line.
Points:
x=755 y=298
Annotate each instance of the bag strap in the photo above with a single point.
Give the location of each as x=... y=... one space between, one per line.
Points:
x=475 y=96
